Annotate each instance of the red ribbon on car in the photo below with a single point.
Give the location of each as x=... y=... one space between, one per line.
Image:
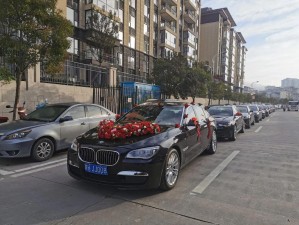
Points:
x=209 y=129
x=197 y=125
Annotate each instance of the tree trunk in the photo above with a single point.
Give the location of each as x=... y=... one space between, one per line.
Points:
x=17 y=96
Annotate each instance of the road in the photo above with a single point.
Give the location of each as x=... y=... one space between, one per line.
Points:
x=258 y=185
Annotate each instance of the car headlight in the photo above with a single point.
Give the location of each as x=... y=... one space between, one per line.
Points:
x=17 y=135
x=143 y=153
x=74 y=145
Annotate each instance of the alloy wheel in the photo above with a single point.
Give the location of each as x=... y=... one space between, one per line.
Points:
x=172 y=169
x=43 y=150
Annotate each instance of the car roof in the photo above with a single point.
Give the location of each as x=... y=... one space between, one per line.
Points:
x=68 y=104
x=168 y=102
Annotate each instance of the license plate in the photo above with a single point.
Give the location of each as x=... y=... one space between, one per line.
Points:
x=96 y=169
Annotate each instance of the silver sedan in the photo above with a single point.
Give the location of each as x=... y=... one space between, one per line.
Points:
x=49 y=129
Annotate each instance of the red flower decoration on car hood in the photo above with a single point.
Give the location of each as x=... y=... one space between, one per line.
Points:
x=109 y=130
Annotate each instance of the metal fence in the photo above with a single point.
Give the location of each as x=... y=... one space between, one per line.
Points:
x=122 y=99
x=78 y=74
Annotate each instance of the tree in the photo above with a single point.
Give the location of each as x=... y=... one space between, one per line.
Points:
x=169 y=74
x=101 y=33
x=32 y=31
x=5 y=75
x=195 y=82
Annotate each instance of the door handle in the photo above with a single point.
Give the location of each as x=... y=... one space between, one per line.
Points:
x=83 y=123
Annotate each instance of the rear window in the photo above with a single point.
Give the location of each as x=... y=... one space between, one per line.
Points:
x=253 y=108
x=242 y=109
x=220 y=111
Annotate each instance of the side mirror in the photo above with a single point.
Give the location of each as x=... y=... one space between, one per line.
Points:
x=66 y=118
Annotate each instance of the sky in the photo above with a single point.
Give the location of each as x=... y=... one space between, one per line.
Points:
x=271 y=31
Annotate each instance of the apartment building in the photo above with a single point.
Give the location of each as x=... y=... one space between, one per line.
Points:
x=290 y=82
x=148 y=29
x=222 y=47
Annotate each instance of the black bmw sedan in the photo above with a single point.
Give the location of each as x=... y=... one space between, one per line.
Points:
x=229 y=121
x=145 y=148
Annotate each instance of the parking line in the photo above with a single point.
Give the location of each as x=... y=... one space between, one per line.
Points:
x=39 y=165
x=39 y=169
x=258 y=129
x=267 y=120
x=1 y=179
x=209 y=179
x=5 y=172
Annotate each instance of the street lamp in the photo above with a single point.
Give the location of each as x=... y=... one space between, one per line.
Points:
x=209 y=87
x=252 y=91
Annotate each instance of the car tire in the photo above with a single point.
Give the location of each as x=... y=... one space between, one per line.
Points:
x=211 y=149
x=42 y=150
x=234 y=135
x=171 y=170
x=253 y=122
x=248 y=126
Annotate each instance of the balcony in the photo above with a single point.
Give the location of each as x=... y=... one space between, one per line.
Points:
x=190 y=4
x=190 y=16
x=170 y=2
x=191 y=29
x=168 y=13
x=168 y=26
x=189 y=41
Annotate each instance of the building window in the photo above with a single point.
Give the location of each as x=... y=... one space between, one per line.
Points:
x=121 y=36
x=133 y=3
x=132 y=22
x=72 y=16
x=120 y=59
x=74 y=46
x=132 y=42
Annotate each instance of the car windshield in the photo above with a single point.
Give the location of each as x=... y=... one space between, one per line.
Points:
x=221 y=111
x=46 y=114
x=242 y=109
x=163 y=115
x=253 y=108
x=293 y=103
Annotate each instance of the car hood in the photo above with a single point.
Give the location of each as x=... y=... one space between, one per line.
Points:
x=245 y=114
x=19 y=125
x=223 y=119
x=91 y=138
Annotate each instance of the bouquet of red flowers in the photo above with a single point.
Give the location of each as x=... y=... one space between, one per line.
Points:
x=109 y=130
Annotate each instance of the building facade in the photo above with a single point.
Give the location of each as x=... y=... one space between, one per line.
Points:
x=290 y=82
x=222 y=47
x=148 y=29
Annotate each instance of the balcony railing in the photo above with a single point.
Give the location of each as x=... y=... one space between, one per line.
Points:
x=169 y=25
x=167 y=7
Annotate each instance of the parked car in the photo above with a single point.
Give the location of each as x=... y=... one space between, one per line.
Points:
x=49 y=129
x=247 y=115
x=229 y=121
x=263 y=111
x=256 y=112
x=150 y=160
